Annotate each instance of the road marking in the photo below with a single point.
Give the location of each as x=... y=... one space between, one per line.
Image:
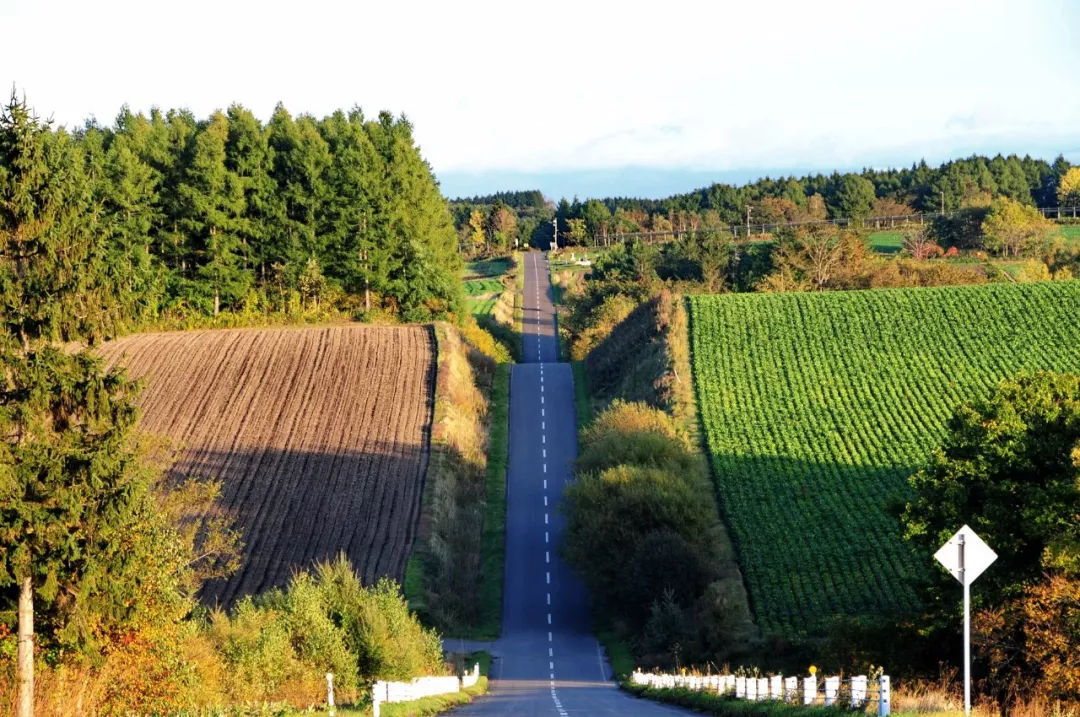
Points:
x=545 y=519
x=545 y=536
x=545 y=467
x=547 y=556
x=541 y=385
x=541 y=412
x=543 y=425
x=549 y=618
x=545 y=501
x=549 y=578
x=551 y=665
x=549 y=598
x=545 y=484
x=543 y=438
x=551 y=652
x=549 y=637
x=545 y=452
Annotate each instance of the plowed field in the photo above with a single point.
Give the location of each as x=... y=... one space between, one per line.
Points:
x=319 y=435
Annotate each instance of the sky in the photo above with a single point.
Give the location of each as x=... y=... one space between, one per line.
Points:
x=587 y=98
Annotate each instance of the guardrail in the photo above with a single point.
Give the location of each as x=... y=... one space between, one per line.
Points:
x=857 y=692
x=420 y=687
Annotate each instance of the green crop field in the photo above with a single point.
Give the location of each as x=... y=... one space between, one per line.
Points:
x=488 y=268
x=481 y=307
x=887 y=242
x=817 y=407
x=479 y=287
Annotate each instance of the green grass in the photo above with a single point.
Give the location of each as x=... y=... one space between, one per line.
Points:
x=581 y=394
x=818 y=407
x=493 y=539
x=618 y=653
x=413 y=587
x=487 y=268
x=887 y=242
x=1070 y=233
x=479 y=287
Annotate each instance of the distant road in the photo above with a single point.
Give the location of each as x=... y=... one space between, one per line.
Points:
x=547 y=662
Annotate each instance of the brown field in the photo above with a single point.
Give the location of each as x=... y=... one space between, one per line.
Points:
x=319 y=435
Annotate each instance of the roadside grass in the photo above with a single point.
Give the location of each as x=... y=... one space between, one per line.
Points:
x=713 y=704
x=582 y=402
x=416 y=708
x=1070 y=233
x=618 y=653
x=493 y=538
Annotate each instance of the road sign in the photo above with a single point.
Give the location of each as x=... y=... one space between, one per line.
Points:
x=965 y=556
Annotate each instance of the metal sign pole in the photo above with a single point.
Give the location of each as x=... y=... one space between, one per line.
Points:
x=967 y=626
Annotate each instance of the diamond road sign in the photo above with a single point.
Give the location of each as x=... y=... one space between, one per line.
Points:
x=965 y=546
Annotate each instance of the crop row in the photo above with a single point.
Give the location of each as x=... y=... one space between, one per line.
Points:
x=817 y=407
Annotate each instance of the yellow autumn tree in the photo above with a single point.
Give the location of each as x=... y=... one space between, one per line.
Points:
x=1069 y=189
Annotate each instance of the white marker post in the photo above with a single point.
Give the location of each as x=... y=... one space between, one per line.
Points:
x=966 y=556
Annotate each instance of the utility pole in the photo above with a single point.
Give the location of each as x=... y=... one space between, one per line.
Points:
x=943 y=202
x=748 y=209
x=555 y=233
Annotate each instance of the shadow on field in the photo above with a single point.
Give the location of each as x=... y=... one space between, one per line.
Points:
x=816 y=540
x=296 y=507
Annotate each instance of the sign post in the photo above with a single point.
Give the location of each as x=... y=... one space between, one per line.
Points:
x=966 y=556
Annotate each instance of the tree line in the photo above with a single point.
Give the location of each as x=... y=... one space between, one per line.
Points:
x=955 y=185
x=168 y=215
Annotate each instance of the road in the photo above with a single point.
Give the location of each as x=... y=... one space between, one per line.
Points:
x=547 y=661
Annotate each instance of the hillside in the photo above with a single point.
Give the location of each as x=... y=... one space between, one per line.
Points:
x=817 y=407
x=319 y=435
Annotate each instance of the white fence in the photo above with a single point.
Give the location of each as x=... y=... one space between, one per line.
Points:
x=857 y=692
x=420 y=687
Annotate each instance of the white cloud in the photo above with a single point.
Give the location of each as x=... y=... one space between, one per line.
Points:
x=579 y=85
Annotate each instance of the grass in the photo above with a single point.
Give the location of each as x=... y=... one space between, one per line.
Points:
x=581 y=395
x=479 y=287
x=487 y=268
x=1070 y=233
x=493 y=538
x=887 y=242
x=618 y=653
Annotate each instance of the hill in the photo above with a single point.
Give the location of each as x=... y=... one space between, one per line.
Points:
x=817 y=407
x=320 y=436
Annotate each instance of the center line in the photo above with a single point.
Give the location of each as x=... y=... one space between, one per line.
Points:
x=545 y=452
x=545 y=501
x=549 y=583
x=545 y=536
x=547 y=556
x=545 y=518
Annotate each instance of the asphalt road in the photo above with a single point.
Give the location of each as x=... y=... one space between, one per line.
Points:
x=547 y=661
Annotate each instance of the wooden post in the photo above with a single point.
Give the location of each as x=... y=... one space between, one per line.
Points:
x=26 y=648
x=809 y=696
x=884 y=696
x=330 y=692
x=740 y=687
x=751 y=689
x=791 y=689
x=776 y=687
x=763 y=688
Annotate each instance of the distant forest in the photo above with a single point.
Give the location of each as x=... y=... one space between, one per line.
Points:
x=168 y=218
x=954 y=185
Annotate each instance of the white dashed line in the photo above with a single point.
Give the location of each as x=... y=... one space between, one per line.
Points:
x=549 y=618
x=545 y=452
x=549 y=583
x=547 y=556
x=546 y=536
x=545 y=467
x=545 y=519
x=545 y=484
x=545 y=501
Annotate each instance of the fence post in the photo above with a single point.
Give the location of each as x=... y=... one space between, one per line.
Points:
x=809 y=690
x=751 y=689
x=377 y=693
x=884 y=696
x=330 y=692
x=776 y=687
x=791 y=689
x=832 y=689
x=740 y=687
x=858 y=691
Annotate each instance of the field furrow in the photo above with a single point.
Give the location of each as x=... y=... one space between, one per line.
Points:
x=319 y=436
